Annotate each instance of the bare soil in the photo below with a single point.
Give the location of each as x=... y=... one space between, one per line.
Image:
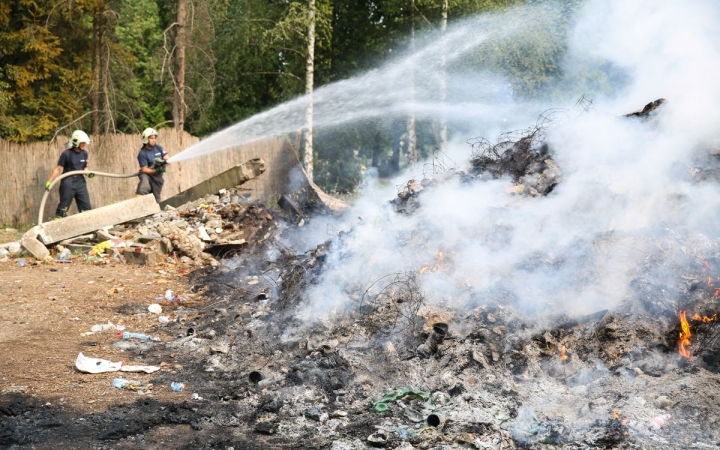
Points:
x=46 y=312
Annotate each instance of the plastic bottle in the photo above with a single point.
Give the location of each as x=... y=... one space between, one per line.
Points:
x=122 y=383
x=177 y=387
x=169 y=295
x=131 y=335
x=105 y=327
x=64 y=255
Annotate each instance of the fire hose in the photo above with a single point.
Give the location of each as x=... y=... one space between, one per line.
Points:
x=77 y=172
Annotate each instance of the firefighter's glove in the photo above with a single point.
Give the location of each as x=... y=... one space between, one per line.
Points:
x=47 y=185
x=159 y=165
x=91 y=175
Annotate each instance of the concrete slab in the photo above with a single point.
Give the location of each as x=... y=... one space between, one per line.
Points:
x=75 y=225
x=232 y=177
x=30 y=242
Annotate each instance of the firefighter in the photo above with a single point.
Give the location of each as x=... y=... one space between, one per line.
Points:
x=72 y=187
x=153 y=163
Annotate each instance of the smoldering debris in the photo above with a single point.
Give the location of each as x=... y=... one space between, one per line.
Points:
x=398 y=368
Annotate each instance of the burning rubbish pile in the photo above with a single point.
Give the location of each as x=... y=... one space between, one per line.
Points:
x=293 y=351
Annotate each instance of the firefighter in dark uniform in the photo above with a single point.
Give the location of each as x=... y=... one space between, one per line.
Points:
x=153 y=163
x=72 y=187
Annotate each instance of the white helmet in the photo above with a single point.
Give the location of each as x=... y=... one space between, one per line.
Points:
x=147 y=133
x=79 y=137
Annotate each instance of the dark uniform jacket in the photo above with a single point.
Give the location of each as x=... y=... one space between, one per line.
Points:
x=72 y=160
x=146 y=157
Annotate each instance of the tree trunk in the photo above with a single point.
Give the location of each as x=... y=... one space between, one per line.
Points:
x=443 y=79
x=411 y=135
x=309 y=73
x=180 y=45
x=96 y=67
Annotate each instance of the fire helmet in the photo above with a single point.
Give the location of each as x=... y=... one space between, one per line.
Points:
x=147 y=133
x=79 y=137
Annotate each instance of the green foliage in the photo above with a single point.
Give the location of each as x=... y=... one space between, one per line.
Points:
x=136 y=68
x=246 y=56
x=44 y=74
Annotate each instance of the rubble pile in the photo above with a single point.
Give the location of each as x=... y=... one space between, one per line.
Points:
x=195 y=233
x=399 y=370
x=523 y=155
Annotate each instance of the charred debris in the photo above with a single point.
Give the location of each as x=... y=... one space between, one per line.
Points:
x=397 y=372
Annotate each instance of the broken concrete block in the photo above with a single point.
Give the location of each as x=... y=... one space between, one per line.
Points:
x=31 y=243
x=144 y=257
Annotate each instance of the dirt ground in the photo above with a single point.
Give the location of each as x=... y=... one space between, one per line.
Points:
x=47 y=310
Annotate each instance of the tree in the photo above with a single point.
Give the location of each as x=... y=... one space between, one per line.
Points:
x=188 y=59
x=443 y=79
x=135 y=95
x=310 y=67
x=411 y=134
x=44 y=72
x=179 y=78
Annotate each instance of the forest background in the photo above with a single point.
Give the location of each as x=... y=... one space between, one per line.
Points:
x=118 y=66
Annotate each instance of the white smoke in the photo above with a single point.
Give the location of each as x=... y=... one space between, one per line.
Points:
x=572 y=251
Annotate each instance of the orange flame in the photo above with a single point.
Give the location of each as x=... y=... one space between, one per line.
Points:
x=704 y=319
x=717 y=292
x=437 y=266
x=684 y=339
x=563 y=352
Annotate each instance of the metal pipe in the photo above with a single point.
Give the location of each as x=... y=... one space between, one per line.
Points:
x=437 y=335
x=255 y=376
x=436 y=420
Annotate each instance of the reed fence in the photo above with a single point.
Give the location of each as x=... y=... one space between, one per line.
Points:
x=24 y=168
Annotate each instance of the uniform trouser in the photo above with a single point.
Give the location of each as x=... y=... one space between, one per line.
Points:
x=73 y=187
x=150 y=183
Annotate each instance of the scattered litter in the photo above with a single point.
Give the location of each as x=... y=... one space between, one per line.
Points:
x=133 y=385
x=526 y=424
x=382 y=404
x=379 y=439
x=132 y=335
x=177 y=387
x=155 y=308
x=169 y=295
x=14 y=389
x=163 y=319
x=99 y=249
x=195 y=396
x=106 y=327
x=14 y=248
x=659 y=421
x=97 y=365
x=21 y=262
